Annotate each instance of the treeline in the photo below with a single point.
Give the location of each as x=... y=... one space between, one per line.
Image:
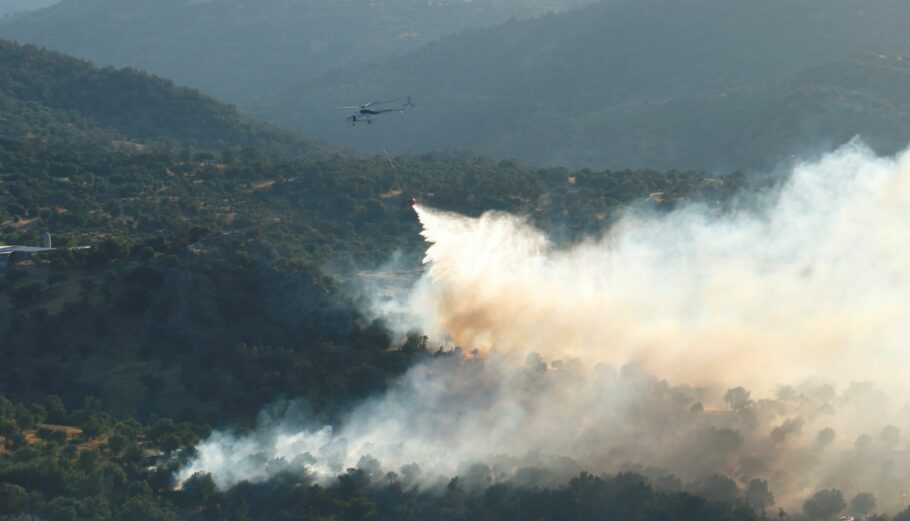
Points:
x=343 y=204
x=62 y=465
x=54 y=98
x=85 y=465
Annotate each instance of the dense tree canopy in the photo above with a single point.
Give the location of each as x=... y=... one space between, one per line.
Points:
x=49 y=97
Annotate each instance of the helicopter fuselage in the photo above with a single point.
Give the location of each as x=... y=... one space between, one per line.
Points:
x=366 y=115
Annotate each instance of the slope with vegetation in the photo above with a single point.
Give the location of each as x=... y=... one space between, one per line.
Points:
x=204 y=293
x=106 y=469
x=708 y=84
x=241 y=49
x=205 y=298
x=214 y=263
x=46 y=96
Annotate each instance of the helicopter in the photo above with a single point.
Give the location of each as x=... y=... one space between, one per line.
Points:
x=365 y=114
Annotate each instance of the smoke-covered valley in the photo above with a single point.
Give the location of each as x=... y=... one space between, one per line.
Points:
x=761 y=344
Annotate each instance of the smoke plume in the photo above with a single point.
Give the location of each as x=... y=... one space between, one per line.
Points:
x=753 y=344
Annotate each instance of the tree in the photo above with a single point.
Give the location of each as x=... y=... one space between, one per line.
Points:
x=7 y=411
x=95 y=425
x=758 y=495
x=863 y=503
x=891 y=436
x=13 y=499
x=737 y=398
x=199 y=491
x=16 y=209
x=56 y=411
x=55 y=278
x=359 y=509
x=27 y=295
x=25 y=419
x=15 y=441
x=717 y=488
x=134 y=301
x=86 y=287
x=824 y=504
x=89 y=460
x=117 y=443
x=789 y=427
x=142 y=508
x=825 y=437
x=352 y=482
x=863 y=441
x=13 y=275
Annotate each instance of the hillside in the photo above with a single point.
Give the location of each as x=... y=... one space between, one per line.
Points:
x=10 y=7
x=225 y=283
x=633 y=84
x=52 y=97
x=757 y=127
x=96 y=468
x=240 y=50
x=210 y=235
x=205 y=300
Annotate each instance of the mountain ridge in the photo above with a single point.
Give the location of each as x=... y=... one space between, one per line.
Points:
x=236 y=50
x=48 y=95
x=505 y=91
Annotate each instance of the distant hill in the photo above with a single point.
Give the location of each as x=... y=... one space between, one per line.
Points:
x=8 y=7
x=240 y=49
x=643 y=83
x=802 y=116
x=53 y=97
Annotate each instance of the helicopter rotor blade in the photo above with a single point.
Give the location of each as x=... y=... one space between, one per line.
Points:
x=380 y=102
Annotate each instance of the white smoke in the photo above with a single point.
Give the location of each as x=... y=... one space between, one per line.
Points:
x=809 y=290
x=811 y=285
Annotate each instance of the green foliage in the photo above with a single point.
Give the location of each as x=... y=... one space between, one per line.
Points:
x=56 y=411
x=206 y=285
x=95 y=425
x=51 y=98
x=863 y=503
x=825 y=504
x=13 y=499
